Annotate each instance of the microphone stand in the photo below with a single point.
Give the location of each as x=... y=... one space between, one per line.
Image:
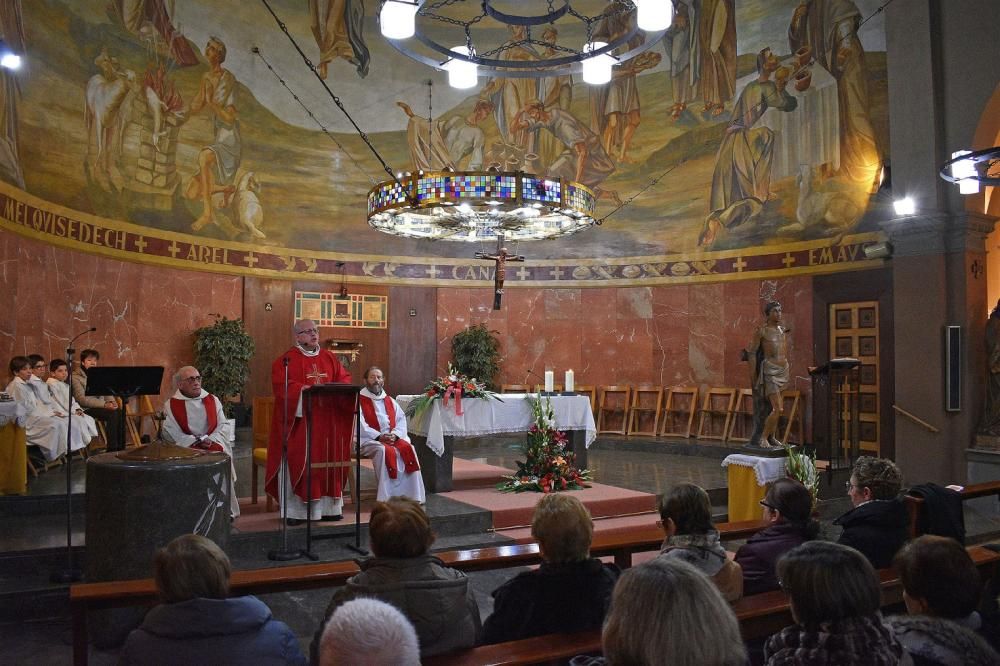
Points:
x=70 y=574
x=284 y=554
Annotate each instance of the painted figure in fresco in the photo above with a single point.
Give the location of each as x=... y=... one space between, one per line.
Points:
x=12 y=33
x=106 y=93
x=989 y=424
x=583 y=158
x=717 y=40
x=742 y=178
x=510 y=95
x=337 y=26
x=448 y=142
x=149 y=20
x=769 y=375
x=501 y=258
x=554 y=92
x=614 y=108
x=830 y=29
x=682 y=47
x=218 y=162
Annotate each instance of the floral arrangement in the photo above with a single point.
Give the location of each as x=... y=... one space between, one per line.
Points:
x=802 y=467
x=549 y=465
x=452 y=386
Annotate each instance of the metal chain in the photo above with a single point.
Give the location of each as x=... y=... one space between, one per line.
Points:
x=257 y=52
x=430 y=117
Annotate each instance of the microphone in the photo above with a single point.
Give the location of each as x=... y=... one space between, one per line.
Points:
x=89 y=330
x=284 y=359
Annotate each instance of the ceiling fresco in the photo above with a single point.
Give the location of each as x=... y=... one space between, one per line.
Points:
x=190 y=133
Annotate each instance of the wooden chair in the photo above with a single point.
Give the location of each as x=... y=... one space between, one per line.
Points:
x=791 y=415
x=263 y=410
x=615 y=401
x=679 y=410
x=718 y=405
x=647 y=401
x=589 y=391
x=138 y=418
x=515 y=388
x=741 y=424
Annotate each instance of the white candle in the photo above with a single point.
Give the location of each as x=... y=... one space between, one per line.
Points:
x=550 y=379
x=569 y=381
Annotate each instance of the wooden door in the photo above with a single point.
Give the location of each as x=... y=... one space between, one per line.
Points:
x=854 y=333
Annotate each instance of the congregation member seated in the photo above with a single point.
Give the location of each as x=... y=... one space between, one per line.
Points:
x=667 y=612
x=103 y=408
x=788 y=510
x=570 y=591
x=877 y=525
x=197 y=623
x=79 y=437
x=437 y=599
x=835 y=596
x=42 y=428
x=942 y=590
x=58 y=374
x=686 y=521
x=368 y=632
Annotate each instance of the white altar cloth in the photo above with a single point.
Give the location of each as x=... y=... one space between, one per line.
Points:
x=12 y=411
x=487 y=417
x=811 y=133
x=766 y=470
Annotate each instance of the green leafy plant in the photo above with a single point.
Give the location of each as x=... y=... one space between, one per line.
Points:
x=476 y=353
x=549 y=465
x=222 y=354
x=802 y=467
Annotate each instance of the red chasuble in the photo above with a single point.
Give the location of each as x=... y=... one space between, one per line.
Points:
x=332 y=426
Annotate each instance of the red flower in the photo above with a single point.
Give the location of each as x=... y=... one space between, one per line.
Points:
x=432 y=392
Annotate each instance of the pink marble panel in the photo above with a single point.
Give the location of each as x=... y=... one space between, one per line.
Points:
x=563 y=303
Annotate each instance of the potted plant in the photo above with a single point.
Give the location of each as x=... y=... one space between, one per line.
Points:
x=222 y=354
x=476 y=353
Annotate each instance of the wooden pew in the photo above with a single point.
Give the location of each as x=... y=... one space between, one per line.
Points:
x=760 y=616
x=915 y=505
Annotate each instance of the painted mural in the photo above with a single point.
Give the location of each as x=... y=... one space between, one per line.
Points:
x=190 y=133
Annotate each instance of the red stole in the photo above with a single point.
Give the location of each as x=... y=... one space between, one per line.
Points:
x=405 y=449
x=178 y=408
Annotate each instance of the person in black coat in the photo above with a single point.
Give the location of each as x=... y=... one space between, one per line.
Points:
x=788 y=509
x=877 y=525
x=570 y=591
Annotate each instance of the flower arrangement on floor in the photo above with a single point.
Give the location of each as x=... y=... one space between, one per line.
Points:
x=452 y=386
x=549 y=465
x=801 y=466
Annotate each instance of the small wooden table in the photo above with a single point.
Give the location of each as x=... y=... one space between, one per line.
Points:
x=13 y=450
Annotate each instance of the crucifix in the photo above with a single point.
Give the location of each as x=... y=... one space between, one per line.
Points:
x=315 y=375
x=501 y=257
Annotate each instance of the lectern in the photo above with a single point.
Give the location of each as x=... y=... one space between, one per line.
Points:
x=836 y=406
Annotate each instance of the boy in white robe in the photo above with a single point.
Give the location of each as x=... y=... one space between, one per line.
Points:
x=41 y=428
x=58 y=372
x=383 y=439
x=195 y=419
x=37 y=384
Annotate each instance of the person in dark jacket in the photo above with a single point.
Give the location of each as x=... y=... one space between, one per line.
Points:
x=877 y=525
x=437 y=599
x=197 y=624
x=570 y=591
x=788 y=509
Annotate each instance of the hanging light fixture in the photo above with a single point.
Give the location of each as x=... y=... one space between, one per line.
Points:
x=461 y=73
x=653 y=15
x=965 y=172
x=972 y=169
x=597 y=69
x=397 y=19
x=9 y=59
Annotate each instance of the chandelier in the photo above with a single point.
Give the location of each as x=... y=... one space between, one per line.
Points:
x=970 y=169
x=472 y=38
x=479 y=206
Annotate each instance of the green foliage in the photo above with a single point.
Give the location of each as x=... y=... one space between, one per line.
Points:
x=476 y=353
x=549 y=465
x=222 y=354
x=802 y=468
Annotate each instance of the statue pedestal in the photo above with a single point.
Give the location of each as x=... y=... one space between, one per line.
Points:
x=135 y=507
x=983 y=465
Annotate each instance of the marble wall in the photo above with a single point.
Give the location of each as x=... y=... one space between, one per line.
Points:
x=673 y=336
x=144 y=315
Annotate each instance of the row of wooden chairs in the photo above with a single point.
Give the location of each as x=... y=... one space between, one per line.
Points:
x=725 y=414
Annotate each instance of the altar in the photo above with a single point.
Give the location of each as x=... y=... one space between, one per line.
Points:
x=13 y=449
x=433 y=432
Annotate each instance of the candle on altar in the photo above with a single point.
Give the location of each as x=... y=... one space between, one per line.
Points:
x=568 y=384
x=550 y=378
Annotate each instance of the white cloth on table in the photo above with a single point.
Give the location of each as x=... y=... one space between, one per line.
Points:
x=486 y=417
x=41 y=427
x=405 y=484
x=810 y=134
x=61 y=394
x=12 y=410
x=767 y=470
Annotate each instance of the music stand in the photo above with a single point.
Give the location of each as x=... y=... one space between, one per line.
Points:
x=346 y=390
x=124 y=382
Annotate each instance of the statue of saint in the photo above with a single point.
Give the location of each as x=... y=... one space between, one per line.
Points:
x=769 y=375
x=501 y=258
x=989 y=424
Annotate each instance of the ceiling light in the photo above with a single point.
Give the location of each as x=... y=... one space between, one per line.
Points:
x=905 y=206
x=397 y=20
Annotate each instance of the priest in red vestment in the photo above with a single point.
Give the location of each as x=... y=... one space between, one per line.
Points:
x=332 y=428
x=384 y=440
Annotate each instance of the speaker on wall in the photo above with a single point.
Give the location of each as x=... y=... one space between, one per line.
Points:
x=953 y=368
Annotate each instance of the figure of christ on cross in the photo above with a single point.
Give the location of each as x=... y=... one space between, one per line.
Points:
x=501 y=257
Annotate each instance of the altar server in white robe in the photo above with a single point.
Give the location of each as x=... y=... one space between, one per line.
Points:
x=85 y=423
x=42 y=428
x=195 y=419
x=39 y=370
x=383 y=439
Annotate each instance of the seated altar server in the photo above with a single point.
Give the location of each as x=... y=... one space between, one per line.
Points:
x=383 y=439
x=195 y=419
x=59 y=389
x=38 y=385
x=42 y=428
